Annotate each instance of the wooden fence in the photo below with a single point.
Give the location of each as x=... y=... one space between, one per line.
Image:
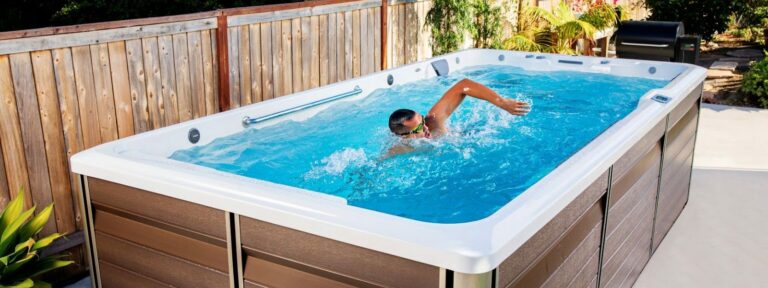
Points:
x=66 y=89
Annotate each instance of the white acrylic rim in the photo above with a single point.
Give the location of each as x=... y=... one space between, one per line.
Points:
x=471 y=247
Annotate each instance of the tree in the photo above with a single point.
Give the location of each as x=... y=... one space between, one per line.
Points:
x=700 y=17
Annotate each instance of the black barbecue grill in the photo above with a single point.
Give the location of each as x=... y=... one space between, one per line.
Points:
x=656 y=40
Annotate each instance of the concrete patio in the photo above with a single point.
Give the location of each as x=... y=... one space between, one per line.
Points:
x=721 y=238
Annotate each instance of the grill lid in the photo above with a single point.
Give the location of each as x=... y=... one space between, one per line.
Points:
x=652 y=40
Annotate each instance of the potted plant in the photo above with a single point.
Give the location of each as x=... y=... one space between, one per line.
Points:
x=20 y=260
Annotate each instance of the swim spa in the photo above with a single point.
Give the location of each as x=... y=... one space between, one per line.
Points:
x=589 y=214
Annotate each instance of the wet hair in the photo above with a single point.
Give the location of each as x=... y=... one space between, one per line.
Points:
x=397 y=118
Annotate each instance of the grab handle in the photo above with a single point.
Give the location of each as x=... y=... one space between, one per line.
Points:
x=247 y=120
x=645 y=45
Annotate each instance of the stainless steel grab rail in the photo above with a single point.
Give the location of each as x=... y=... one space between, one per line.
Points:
x=247 y=120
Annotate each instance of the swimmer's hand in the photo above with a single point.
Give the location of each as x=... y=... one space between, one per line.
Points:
x=514 y=107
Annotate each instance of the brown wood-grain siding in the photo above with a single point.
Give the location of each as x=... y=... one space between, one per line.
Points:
x=132 y=225
x=539 y=260
x=678 y=160
x=307 y=256
x=634 y=187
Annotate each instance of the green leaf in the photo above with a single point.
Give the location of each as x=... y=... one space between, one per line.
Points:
x=26 y=283
x=44 y=265
x=35 y=225
x=12 y=268
x=45 y=241
x=41 y=284
x=10 y=232
x=12 y=211
x=21 y=249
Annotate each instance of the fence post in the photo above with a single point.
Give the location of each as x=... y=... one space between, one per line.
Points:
x=384 y=23
x=222 y=50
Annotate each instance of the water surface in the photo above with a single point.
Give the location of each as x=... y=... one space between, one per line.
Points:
x=488 y=158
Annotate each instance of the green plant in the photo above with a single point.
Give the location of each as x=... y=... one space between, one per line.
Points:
x=701 y=17
x=448 y=20
x=20 y=260
x=558 y=30
x=487 y=25
x=749 y=13
x=755 y=84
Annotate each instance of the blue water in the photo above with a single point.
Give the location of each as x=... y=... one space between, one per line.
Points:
x=488 y=158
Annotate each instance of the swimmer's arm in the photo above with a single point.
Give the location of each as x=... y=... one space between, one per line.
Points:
x=398 y=149
x=455 y=95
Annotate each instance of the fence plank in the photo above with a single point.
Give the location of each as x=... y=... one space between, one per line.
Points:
x=286 y=56
x=356 y=43
x=402 y=37
x=323 y=41
x=32 y=133
x=412 y=36
x=393 y=37
x=288 y=14
x=315 y=65
x=364 y=47
x=196 y=78
x=86 y=96
x=348 y=47
x=296 y=43
x=377 y=39
x=333 y=76
x=306 y=53
x=12 y=144
x=50 y=120
x=266 y=61
x=121 y=88
x=370 y=54
x=341 y=57
x=170 y=107
x=138 y=86
x=234 y=67
x=63 y=70
x=105 y=100
x=102 y=36
x=210 y=71
x=183 y=86
x=154 y=94
x=256 y=64
x=244 y=64
x=277 y=59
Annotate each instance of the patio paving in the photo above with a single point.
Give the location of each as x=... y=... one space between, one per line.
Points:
x=720 y=239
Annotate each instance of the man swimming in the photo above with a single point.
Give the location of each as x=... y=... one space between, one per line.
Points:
x=409 y=124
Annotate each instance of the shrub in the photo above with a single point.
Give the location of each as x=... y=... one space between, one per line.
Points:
x=486 y=27
x=557 y=31
x=448 y=20
x=19 y=250
x=755 y=84
x=750 y=13
x=701 y=17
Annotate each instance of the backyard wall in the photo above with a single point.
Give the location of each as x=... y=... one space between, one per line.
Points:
x=67 y=89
